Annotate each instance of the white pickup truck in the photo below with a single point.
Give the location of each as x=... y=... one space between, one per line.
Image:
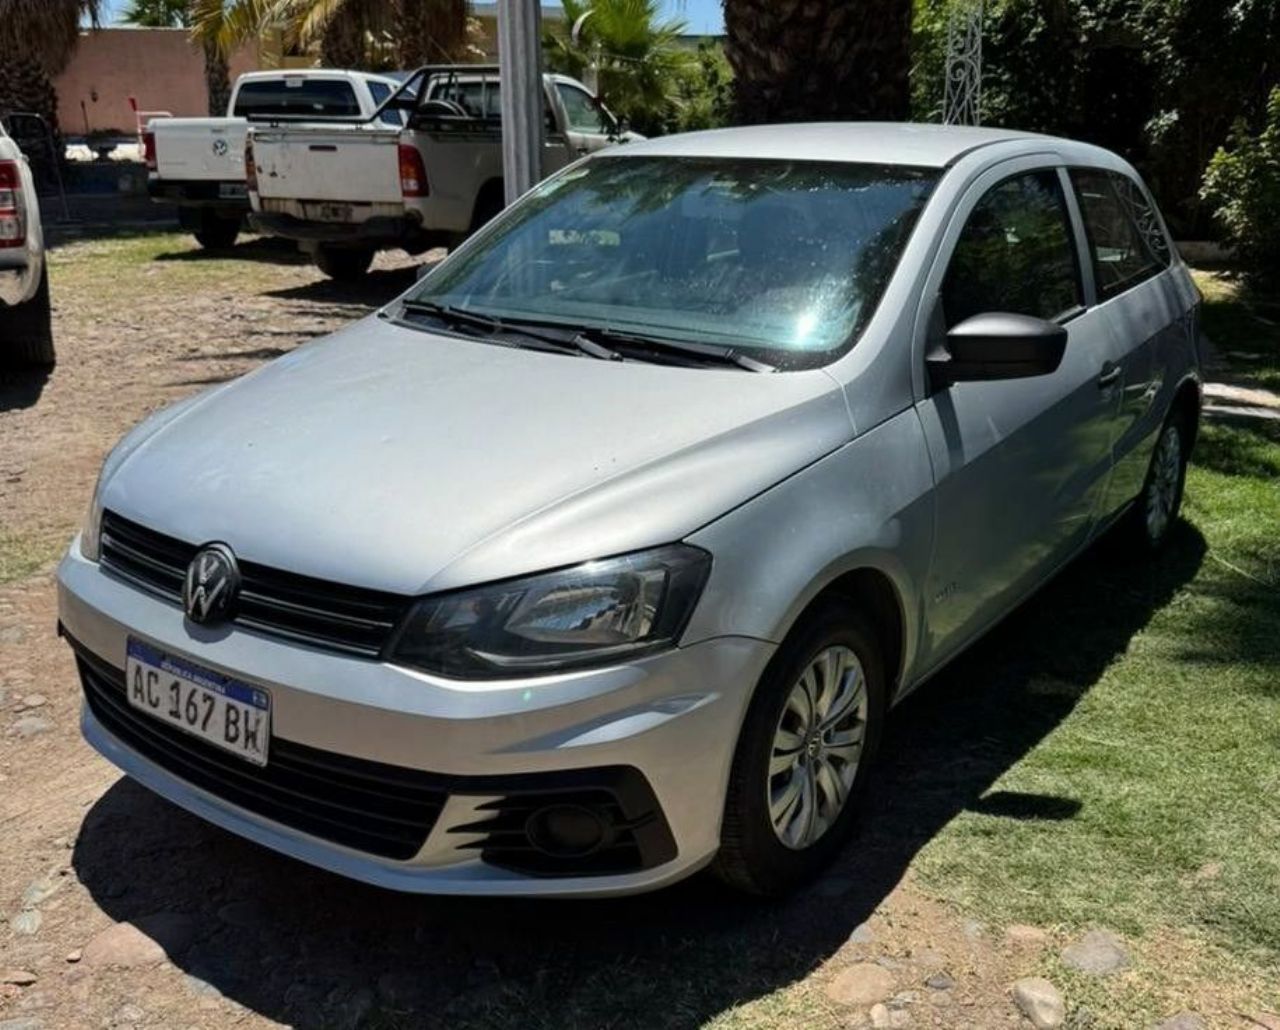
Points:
x=198 y=163
x=26 y=331
x=343 y=196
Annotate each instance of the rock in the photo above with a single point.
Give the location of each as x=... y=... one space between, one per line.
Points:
x=128 y=1015
x=940 y=998
x=39 y=890
x=1040 y=1002
x=147 y=943
x=1266 y=1020
x=899 y=1018
x=904 y=998
x=33 y=701
x=940 y=982
x=1097 y=952
x=74 y=956
x=974 y=930
x=862 y=934
x=879 y=1016
x=1022 y=936
x=863 y=983
x=29 y=726
x=27 y=922
x=200 y=988
x=1183 y=1021
x=18 y=977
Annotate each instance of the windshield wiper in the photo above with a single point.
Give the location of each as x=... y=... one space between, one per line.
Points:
x=514 y=333
x=641 y=346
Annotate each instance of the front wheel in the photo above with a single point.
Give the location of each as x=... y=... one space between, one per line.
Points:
x=26 y=331
x=1157 y=507
x=802 y=760
x=346 y=264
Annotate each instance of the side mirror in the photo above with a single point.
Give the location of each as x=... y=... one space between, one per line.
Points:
x=997 y=345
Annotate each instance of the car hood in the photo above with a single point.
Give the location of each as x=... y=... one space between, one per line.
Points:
x=402 y=460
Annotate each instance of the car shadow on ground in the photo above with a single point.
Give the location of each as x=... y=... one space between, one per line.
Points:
x=371 y=290
x=22 y=388
x=270 y=249
x=306 y=948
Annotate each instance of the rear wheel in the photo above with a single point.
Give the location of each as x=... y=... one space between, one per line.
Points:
x=26 y=330
x=214 y=231
x=1157 y=507
x=488 y=206
x=802 y=760
x=345 y=264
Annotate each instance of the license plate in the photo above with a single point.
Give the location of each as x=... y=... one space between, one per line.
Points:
x=225 y=712
x=335 y=212
x=232 y=191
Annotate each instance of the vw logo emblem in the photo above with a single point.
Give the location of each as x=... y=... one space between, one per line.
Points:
x=212 y=585
x=219 y=147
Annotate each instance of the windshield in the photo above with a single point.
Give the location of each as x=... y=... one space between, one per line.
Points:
x=784 y=257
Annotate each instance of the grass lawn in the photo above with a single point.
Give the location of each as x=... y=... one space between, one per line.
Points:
x=1151 y=802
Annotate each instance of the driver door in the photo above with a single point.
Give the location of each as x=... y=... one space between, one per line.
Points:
x=1020 y=465
x=586 y=124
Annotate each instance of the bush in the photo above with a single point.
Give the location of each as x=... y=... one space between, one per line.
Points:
x=1242 y=184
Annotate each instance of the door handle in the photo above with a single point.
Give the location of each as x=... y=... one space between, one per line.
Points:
x=1109 y=376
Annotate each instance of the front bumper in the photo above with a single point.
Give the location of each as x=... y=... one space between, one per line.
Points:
x=659 y=733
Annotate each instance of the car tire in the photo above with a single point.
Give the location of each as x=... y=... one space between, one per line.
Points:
x=754 y=856
x=488 y=206
x=215 y=231
x=346 y=264
x=26 y=330
x=1154 y=513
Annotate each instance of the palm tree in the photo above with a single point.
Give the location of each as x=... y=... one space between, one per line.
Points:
x=806 y=60
x=157 y=14
x=638 y=60
x=37 y=39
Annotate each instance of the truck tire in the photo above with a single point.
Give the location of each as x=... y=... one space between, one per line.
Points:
x=346 y=264
x=488 y=205
x=216 y=232
x=26 y=331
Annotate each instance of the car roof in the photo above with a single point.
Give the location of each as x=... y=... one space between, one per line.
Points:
x=883 y=143
x=312 y=73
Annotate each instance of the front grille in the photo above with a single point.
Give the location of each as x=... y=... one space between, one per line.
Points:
x=380 y=809
x=332 y=616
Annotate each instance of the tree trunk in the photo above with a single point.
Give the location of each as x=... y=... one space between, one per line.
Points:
x=431 y=31
x=810 y=60
x=343 y=42
x=217 y=80
x=26 y=88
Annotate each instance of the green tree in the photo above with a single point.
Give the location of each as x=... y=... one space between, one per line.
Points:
x=1242 y=185
x=638 y=55
x=807 y=60
x=37 y=39
x=157 y=14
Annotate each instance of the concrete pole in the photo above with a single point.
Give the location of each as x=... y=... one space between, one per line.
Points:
x=520 y=63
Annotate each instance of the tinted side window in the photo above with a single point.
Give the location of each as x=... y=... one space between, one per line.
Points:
x=1015 y=254
x=379 y=91
x=1125 y=238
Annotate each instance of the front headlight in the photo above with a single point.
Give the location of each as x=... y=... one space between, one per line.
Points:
x=90 y=530
x=589 y=614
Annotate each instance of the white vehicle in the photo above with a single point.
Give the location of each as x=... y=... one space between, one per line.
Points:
x=198 y=163
x=344 y=196
x=26 y=332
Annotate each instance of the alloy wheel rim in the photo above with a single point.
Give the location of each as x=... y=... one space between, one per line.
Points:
x=1166 y=470
x=817 y=747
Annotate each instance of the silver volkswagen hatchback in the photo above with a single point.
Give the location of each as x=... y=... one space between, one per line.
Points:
x=600 y=555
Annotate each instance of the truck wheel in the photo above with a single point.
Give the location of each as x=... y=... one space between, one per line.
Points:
x=488 y=206
x=26 y=331
x=215 y=231
x=346 y=264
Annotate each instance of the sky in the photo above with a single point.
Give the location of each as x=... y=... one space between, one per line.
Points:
x=702 y=16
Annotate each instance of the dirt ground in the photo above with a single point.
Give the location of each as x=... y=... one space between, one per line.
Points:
x=229 y=934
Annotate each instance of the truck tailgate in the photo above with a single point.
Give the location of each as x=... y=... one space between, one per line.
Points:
x=200 y=148
x=297 y=163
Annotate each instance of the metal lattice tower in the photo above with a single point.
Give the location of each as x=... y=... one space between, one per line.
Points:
x=962 y=100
